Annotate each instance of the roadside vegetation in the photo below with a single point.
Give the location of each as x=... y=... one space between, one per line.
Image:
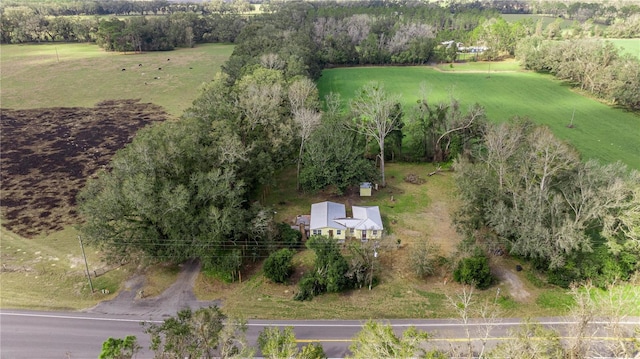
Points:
x=256 y=147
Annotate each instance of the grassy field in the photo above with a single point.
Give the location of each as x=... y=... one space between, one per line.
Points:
x=629 y=46
x=600 y=131
x=481 y=66
x=48 y=272
x=71 y=75
x=546 y=20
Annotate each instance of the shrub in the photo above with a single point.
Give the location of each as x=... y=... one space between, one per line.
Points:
x=224 y=266
x=308 y=287
x=278 y=266
x=600 y=266
x=312 y=351
x=330 y=272
x=289 y=237
x=474 y=270
x=425 y=258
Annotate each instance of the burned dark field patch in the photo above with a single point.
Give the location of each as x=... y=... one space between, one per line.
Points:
x=48 y=154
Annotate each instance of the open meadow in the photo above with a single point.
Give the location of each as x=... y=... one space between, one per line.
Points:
x=81 y=75
x=546 y=20
x=599 y=131
x=628 y=46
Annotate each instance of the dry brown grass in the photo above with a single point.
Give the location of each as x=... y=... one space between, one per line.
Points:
x=159 y=277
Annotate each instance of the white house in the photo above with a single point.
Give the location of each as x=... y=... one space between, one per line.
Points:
x=329 y=219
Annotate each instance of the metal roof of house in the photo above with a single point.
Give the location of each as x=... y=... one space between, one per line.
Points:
x=324 y=213
x=369 y=216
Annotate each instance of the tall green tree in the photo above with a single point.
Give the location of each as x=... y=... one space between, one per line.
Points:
x=303 y=96
x=332 y=159
x=172 y=194
x=277 y=344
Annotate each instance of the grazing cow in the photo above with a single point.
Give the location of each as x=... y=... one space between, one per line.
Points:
x=159 y=68
x=139 y=64
x=168 y=59
x=124 y=69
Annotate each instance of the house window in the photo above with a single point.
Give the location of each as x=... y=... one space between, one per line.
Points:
x=353 y=231
x=317 y=231
x=338 y=232
x=374 y=232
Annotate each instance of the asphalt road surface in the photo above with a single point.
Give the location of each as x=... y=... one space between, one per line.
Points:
x=33 y=335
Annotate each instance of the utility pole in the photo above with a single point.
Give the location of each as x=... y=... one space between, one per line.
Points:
x=375 y=255
x=85 y=264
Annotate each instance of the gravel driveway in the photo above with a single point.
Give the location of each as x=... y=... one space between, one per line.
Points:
x=178 y=296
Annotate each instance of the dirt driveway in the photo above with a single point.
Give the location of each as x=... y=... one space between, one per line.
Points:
x=178 y=296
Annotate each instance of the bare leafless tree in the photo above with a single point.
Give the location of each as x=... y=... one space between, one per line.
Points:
x=303 y=96
x=377 y=114
x=272 y=61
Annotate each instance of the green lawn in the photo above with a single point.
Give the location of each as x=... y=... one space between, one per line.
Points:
x=629 y=46
x=486 y=67
x=546 y=20
x=599 y=131
x=68 y=75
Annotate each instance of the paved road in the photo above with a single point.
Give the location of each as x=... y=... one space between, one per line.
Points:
x=33 y=335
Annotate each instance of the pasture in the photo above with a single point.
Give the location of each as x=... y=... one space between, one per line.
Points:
x=599 y=131
x=81 y=75
x=628 y=46
x=546 y=20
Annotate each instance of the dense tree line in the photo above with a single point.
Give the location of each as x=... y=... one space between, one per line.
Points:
x=166 y=32
x=544 y=204
x=603 y=13
x=592 y=65
x=135 y=33
x=127 y=7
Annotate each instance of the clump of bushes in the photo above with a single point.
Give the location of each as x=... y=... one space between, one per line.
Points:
x=425 y=258
x=601 y=267
x=278 y=267
x=289 y=237
x=474 y=270
x=329 y=273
